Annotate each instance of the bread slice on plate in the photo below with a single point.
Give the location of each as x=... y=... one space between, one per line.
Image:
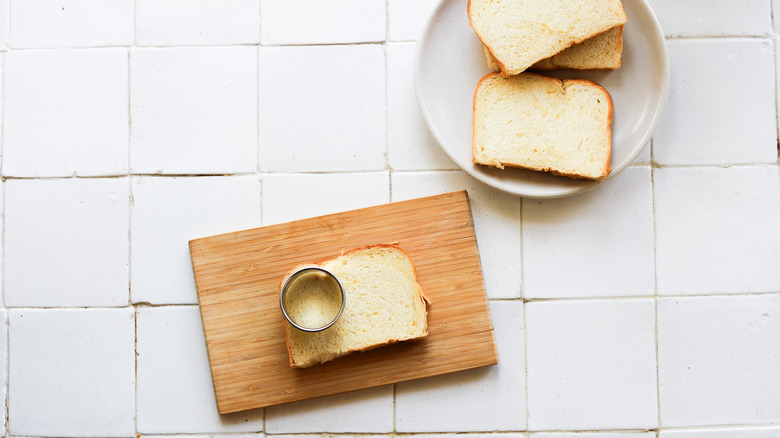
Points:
x=542 y=123
x=384 y=305
x=519 y=33
x=603 y=51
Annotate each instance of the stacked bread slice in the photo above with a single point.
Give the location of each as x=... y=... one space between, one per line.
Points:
x=520 y=33
x=536 y=122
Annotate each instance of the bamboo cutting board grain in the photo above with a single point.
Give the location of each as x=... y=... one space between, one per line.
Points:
x=238 y=276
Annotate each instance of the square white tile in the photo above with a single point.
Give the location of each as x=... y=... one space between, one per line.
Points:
x=71 y=372
x=483 y=399
x=718 y=359
x=365 y=411
x=288 y=197
x=65 y=113
x=167 y=213
x=713 y=17
x=197 y=22
x=599 y=243
x=322 y=108
x=716 y=230
x=411 y=146
x=75 y=23
x=714 y=115
x=194 y=110
x=737 y=432
x=591 y=365
x=408 y=18
x=175 y=392
x=496 y=223
x=66 y=242
x=322 y=21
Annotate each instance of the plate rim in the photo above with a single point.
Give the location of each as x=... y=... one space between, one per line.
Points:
x=658 y=112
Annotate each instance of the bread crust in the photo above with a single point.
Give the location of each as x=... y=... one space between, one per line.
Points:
x=606 y=167
x=423 y=301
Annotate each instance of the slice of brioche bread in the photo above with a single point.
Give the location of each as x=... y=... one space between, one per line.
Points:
x=603 y=51
x=519 y=33
x=544 y=124
x=384 y=305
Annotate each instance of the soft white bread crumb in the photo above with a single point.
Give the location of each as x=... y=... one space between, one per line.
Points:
x=520 y=33
x=542 y=123
x=384 y=305
x=603 y=51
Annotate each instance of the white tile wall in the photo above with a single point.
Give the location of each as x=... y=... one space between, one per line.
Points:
x=193 y=110
x=71 y=372
x=496 y=224
x=175 y=392
x=322 y=108
x=80 y=97
x=591 y=365
x=408 y=18
x=366 y=411
x=713 y=17
x=485 y=399
x=705 y=126
x=196 y=22
x=129 y=127
x=718 y=359
x=66 y=242
x=169 y=212
x=322 y=21
x=288 y=197
x=584 y=246
x=75 y=23
x=716 y=230
x=411 y=146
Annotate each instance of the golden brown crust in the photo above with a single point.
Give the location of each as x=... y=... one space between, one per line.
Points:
x=474 y=116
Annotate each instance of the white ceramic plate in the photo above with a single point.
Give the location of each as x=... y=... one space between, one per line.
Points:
x=450 y=61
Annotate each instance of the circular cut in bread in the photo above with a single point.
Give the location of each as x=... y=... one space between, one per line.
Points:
x=384 y=305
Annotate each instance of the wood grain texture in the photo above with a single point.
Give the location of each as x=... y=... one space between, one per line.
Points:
x=238 y=277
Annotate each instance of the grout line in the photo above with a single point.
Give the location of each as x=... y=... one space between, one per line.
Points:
x=653 y=165
x=521 y=204
x=135 y=370
x=639 y=297
x=525 y=357
x=258 y=149
x=260 y=30
x=655 y=295
x=718 y=37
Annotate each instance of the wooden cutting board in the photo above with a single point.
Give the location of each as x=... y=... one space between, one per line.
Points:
x=238 y=276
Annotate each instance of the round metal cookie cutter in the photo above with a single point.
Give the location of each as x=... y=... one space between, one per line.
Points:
x=287 y=284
